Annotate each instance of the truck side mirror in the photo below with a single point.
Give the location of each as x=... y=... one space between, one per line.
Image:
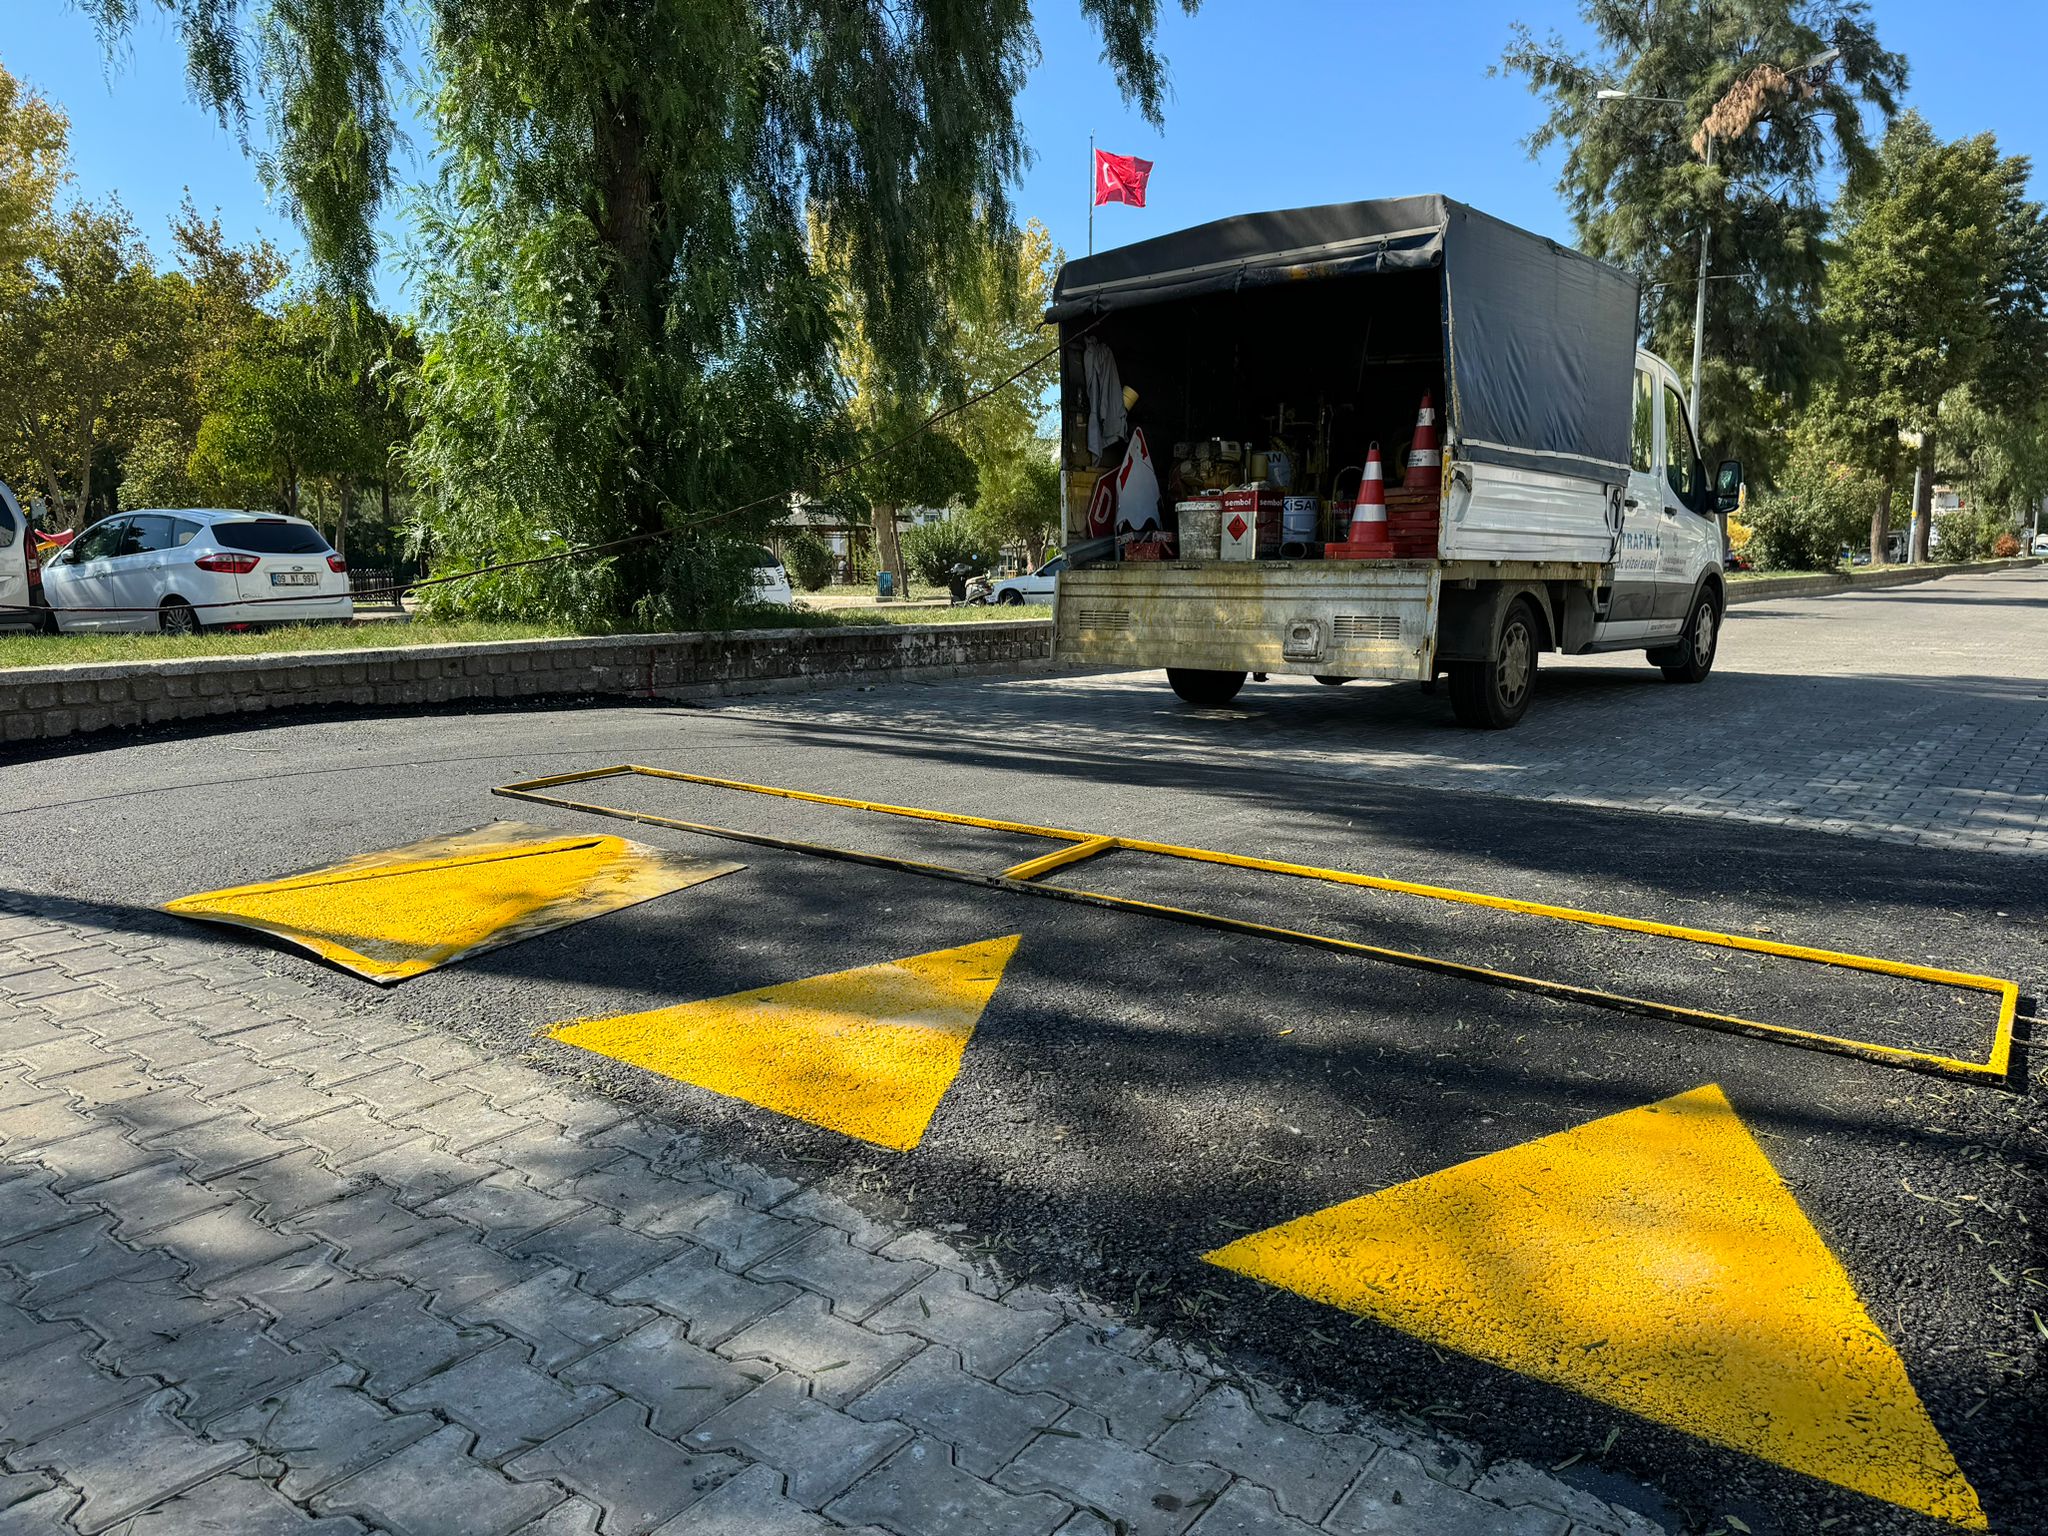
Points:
x=1728 y=486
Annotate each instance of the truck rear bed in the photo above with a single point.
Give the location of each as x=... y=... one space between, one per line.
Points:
x=1310 y=617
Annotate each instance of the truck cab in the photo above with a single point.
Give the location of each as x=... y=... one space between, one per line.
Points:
x=1390 y=440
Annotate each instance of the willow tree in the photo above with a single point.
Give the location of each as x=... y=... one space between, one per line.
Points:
x=1641 y=189
x=624 y=330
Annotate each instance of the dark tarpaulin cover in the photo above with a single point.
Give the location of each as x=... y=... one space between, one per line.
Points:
x=1542 y=338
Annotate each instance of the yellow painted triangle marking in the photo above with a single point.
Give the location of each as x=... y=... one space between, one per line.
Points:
x=867 y=1052
x=1653 y=1260
x=397 y=913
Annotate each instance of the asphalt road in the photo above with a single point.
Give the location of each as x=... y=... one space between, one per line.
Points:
x=1139 y=1092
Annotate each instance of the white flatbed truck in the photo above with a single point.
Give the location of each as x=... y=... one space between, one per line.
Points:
x=1574 y=514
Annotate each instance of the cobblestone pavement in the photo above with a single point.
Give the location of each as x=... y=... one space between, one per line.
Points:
x=274 y=1263
x=1913 y=714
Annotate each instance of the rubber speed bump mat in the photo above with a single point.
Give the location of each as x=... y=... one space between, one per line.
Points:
x=867 y=1052
x=391 y=915
x=1653 y=1260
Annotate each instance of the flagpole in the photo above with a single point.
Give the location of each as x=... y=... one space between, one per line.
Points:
x=1091 y=194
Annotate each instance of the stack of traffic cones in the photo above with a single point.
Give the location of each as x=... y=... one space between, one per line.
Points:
x=1369 y=539
x=1414 y=510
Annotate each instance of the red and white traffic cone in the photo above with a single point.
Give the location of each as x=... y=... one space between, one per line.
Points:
x=1369 y=538
x=1425 y=455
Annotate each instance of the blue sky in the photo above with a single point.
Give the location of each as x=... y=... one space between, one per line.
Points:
x=1276 y=103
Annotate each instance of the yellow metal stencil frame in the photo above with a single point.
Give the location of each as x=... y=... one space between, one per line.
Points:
x=1081 y=846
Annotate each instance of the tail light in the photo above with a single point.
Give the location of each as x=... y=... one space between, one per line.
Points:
x=337 y=565
x=227 y=564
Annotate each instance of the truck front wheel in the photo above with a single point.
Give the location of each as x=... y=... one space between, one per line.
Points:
x=1493 y=694
x=1692 y=658
x=1204 y=689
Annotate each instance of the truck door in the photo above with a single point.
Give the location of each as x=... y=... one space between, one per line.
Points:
x=1636 y=560
x=1691 y=539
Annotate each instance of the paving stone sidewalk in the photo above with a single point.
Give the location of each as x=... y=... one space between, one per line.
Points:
x=269 y=1265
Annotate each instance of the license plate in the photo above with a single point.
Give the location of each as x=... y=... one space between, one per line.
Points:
x=295 y=578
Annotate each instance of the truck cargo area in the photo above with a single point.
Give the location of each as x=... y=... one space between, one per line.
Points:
x=1344 y=441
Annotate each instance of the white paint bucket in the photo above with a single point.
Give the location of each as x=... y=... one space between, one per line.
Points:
x=1201 y=528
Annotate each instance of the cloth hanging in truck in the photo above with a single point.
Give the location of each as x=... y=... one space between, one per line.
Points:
x=1137 y=487
x=1108 y=422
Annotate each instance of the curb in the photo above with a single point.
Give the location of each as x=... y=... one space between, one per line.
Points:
x=56 y=702
x=1893 y=576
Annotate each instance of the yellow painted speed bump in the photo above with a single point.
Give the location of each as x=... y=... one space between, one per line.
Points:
x=390 y=915
x=867 y=1052
x=1653 y=1260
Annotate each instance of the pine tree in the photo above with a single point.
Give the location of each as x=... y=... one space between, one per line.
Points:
x=1640 y=192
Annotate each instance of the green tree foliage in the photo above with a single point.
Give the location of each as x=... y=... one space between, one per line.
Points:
x=810 y=560
x=1020 y=501
x=88 y=355
x=1816 y=509
x=626 y=327
x=1640 y=194
x=933 y=549
x=33 y=138
x=1998 y=459
x=281 y=411
x=1940 y=281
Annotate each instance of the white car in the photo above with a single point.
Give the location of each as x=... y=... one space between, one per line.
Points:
x=771 y=580
x=183 y=571
x=2041 y=543
x=1038 y=587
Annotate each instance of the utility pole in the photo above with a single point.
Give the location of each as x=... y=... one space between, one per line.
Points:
x=1699 y=310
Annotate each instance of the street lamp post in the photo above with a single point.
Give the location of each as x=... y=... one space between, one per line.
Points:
x=1699 y=308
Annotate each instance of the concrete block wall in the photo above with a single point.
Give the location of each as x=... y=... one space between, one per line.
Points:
x=46 y=703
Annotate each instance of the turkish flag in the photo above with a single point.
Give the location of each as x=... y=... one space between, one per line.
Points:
x=1120 y=179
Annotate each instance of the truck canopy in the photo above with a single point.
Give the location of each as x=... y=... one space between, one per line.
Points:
x=1538 y=340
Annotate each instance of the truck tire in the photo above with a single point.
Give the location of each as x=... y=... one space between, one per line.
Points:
x=1205 y=690
x=1494 y=694
x=1692 y=658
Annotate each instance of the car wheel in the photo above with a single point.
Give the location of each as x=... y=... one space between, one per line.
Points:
x=1010 y=597
x=1692 y=658
x=1494 y=694
x=1332 y=682
x=177 y=617
x=1204 y=689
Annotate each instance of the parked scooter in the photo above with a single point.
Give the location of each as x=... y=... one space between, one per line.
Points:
x=969 y=588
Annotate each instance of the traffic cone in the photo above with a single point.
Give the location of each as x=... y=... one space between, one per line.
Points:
x=1369 y=538
x=1425 y=456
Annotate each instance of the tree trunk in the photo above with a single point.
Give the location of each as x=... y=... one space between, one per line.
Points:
x=81 y=446
x=1881 y=522
x=1923 y=499
x=627 y=224
x=348 y=501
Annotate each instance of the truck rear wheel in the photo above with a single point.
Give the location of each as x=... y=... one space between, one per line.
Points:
x=1203 y=689
x=1494 y=694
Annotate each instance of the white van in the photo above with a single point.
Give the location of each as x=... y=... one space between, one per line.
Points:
x=18 y=567
x=1569 y=510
